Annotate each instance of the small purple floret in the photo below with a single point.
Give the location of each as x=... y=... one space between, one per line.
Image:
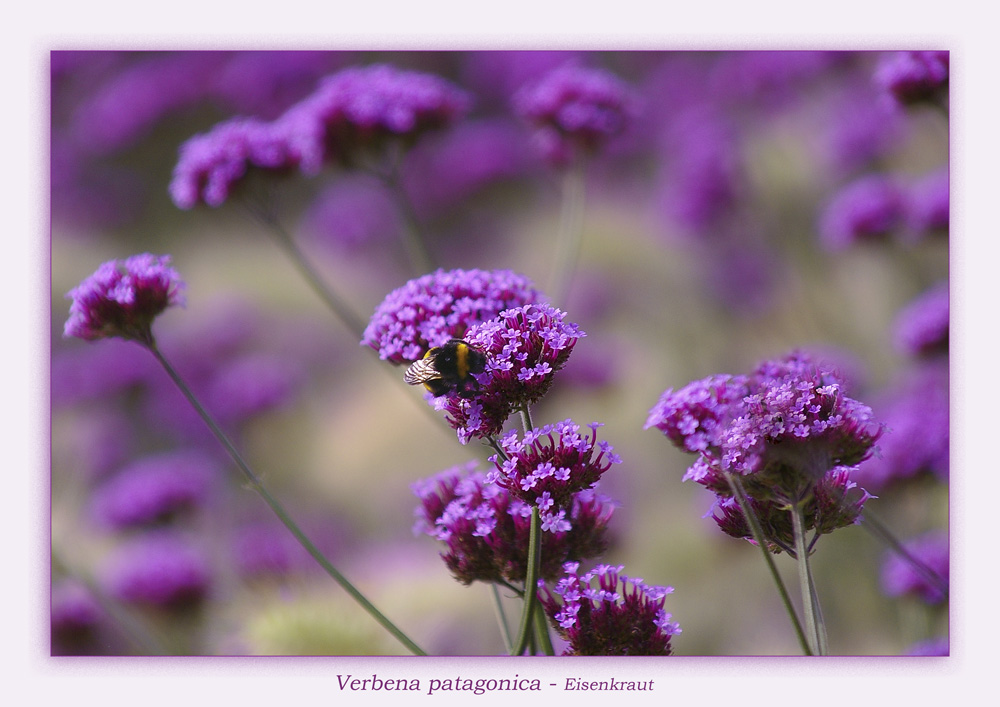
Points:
x=122 y=298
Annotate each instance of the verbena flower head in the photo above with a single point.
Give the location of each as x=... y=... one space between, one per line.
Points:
x=871 y=208
x=916 y=412
x=525 y=347
x=921 y=328
x=930 y=203
x=127 y=106
x=354 y=215
x=360 y=110
x=794 y=426
x=932 y=646
x=430 y=310
x=621 y=615
x=262 y=549
x=836 y=502
x=464 y=161
x=704 y=178
x=252 y=384
x=859 y=129
x=155 y=489
x=548 y=465
x=900 y=578
x=160 y=570
x=573 y=107
x=75 y=616
x=691 y=417
x=486 y=530
x=122 y=298
x=211 y=165
x=914 y=77
x=782 y=428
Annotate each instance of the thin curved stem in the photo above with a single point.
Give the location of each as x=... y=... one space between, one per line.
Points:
x=816 y=631
x=530 y=582
x=758 y=536
x=145 y=638
x=877 y=528
x=526 y=423
x=501 y=618
x=542 y=631
x=330 y=298
x=570 y=231
x=411 y=234
x=279 y=510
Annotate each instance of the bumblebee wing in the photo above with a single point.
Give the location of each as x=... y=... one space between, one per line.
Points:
x=421 y=371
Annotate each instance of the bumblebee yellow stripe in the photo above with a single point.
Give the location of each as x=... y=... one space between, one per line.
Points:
x=462 y=360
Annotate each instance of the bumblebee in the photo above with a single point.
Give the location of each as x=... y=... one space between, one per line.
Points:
x=448 y=369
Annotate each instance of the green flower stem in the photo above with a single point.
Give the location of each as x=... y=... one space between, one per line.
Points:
x=385 y=168
x=526 y=417
x=530 y=582
x=877 y=528
x=758 y=536
x=824 y=648
x=815 y=630
x=279 y=510
x=501 y=617
x=542 y=630
x=412 y=235
x=570 y=231
x=339 y=307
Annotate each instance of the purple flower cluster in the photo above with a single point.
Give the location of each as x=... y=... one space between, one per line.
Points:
x=161 y=570
x=464 y=161
x=899 y=577
x=211 y=165
x=525 y=347
x=354 y=111
x=694 y=417
x=859 y=129
x=787 y=430
x=921 y=328
x=932 y=646
x=916 y=412
x=486 y=528
x=796 y=420
x=871 y=208
x=264 y=82
x=430 y=310
x=620 y=616
x=252 y=384
x=353 y=214
x=836 y=502
x=261 y=550
x=122 y=298
x=549 y=465
x=360 y=109
x=914 y=77
x=704 y=180
x=930 y=203
x=74 y=617
x=575 y=107
x=129 y=103
x=154 y=489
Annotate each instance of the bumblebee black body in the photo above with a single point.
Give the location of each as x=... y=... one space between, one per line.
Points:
x=448 y=369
